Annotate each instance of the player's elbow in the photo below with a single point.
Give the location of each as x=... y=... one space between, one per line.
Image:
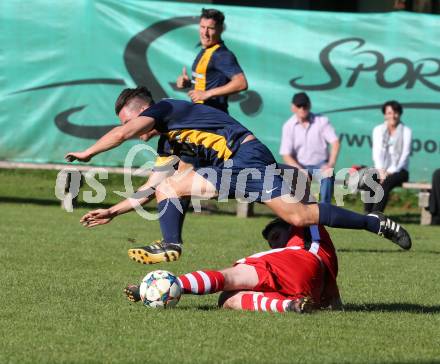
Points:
x=297 y=219
x=240 y=83
x=243 y=86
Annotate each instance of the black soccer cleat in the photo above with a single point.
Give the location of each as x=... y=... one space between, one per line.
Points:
x=391 y=230
x=301 y=305
x=156 y=253
x=132 y=293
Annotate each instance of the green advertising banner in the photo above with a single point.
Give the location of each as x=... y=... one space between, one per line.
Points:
x=62 y=65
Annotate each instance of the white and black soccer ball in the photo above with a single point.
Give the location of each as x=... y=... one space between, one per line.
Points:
x=160 y=289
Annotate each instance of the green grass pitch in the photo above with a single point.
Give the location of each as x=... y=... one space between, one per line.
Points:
x=62 y=302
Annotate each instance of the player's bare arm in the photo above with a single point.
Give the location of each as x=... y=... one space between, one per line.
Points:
x=238 y=83
x=115 y=137
x=144 y=195
x=104 y=216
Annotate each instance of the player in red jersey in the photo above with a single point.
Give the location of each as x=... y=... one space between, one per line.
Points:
x=305 y=267
x=298 y=276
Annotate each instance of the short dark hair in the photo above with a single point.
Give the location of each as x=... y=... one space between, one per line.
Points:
x=214 y=14
x=395 y=105
x=129 y=94
x=277 y=222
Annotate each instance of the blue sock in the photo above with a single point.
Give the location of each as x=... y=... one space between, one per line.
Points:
x=171 y=220
x=334 y=216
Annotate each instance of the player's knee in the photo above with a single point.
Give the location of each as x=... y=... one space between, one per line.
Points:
x=168 y=189
x=233 y=303
x=231 y=280
x=230 y=300
x=239 y=277
x=223 y=298
x=181 y=188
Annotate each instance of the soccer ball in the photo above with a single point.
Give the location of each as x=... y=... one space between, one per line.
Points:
x=160 y=289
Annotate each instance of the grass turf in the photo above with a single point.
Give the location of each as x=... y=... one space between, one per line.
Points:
x=62 y=295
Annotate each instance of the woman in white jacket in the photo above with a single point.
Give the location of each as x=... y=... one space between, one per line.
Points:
x=391 y=151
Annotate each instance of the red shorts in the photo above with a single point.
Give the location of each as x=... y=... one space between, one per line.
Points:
x=291 y=272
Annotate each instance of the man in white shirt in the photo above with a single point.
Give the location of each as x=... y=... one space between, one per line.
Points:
x=304 y=144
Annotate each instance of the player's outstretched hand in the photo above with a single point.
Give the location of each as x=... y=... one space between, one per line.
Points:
x=77 y=156
x=96 y=217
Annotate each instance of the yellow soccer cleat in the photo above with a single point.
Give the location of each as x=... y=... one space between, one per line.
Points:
x=132 y=293
x=156 y=253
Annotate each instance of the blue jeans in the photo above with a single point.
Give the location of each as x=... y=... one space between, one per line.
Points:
x=327 y=184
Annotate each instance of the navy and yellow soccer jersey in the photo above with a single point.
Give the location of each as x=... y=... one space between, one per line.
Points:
x=170 y=152
x=167 y=157
x=211 y=135
x=214 y=67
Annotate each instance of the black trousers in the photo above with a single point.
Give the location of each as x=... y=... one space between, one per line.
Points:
x=434 y=198
x=393 y=180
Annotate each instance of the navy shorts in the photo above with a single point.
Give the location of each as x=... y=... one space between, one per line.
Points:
x=252 y=174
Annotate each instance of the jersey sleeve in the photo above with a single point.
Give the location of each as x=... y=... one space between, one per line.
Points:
x=159 y=112
x=227 y=63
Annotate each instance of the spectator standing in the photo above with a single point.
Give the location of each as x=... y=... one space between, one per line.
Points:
x=304 y=144
x=391 y=150
x=216 y=73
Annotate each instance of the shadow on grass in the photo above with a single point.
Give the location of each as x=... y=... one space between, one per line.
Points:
x=344 y=250
x=391 y=307
x=350 y=307
x=199 y=308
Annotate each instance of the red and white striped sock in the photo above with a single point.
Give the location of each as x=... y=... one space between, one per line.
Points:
x=202 y=282
x=259 y=302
